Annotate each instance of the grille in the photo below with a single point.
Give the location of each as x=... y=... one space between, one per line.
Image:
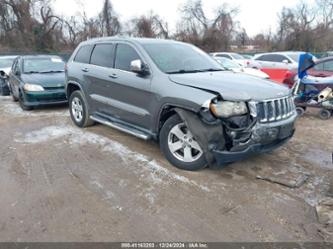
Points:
x=275 y=109
x=54 y=88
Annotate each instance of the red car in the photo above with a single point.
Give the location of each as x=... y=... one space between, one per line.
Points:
x=323 y=68
x=280 y=66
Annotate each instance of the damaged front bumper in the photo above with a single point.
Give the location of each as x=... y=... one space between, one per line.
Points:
x=264 y=138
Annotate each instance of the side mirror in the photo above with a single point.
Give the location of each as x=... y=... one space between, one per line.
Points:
x=285 y=61
x=17 y=73
x=138 y=67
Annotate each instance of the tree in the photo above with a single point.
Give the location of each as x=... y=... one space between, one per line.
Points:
x=109 y=20
x=210 y=34
x=151 y=26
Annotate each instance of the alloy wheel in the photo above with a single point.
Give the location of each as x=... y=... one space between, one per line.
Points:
x=183 y=145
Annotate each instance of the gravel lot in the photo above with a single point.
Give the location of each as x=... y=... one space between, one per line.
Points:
x=60 y=183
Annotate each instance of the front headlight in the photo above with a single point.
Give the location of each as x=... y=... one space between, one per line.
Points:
x=227 y=109
x=33 y=88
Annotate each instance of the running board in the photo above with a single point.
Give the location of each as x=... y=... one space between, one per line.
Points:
x=121 y=127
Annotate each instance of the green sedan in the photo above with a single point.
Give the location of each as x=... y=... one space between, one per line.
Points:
x=38 y=80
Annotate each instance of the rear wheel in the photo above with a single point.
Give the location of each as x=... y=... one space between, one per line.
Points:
x=180 y=147
x=325 y=114
x=79 y=110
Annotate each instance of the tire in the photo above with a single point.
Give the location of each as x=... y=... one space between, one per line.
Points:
x=79 y=110
x=300 y=111
x=325 y=114
x=22 y=105
x=194 y=159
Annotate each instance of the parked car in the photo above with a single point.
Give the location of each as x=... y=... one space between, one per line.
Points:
x=176 y=94
x=242 y=61
x=5 y=66
x=280 y=66
x=37 y=80
x=323 y=68
x=235 y=67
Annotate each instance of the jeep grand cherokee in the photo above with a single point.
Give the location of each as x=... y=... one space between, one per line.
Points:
x=178 y=95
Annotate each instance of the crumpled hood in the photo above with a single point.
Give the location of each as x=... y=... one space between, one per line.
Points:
x=45 y=79
x=233 y=86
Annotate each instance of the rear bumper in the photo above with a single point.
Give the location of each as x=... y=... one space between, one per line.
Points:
x=265 y=138
x=55 y=97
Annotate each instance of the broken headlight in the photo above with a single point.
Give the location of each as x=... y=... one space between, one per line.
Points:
x=227 y=109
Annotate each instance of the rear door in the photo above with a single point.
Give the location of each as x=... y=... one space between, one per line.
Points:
x=100 y=76
x=78 y=70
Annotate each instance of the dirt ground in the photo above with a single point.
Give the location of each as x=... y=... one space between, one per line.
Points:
x=61 y=183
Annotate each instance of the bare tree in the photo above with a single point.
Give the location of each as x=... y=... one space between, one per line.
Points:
x=209 y=34
x=109 y=20
x=151 y=26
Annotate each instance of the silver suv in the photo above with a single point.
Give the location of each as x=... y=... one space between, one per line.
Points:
x=178 y=95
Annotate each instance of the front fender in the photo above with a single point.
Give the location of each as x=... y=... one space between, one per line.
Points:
x=209 y=136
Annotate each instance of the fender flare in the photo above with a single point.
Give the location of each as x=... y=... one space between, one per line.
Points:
x=209 y=136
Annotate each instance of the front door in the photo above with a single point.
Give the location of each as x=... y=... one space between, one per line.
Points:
x=119 y=92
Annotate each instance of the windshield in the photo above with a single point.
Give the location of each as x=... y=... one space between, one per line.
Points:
x=294 y=56
x=229 y=64
x=6 y=62
x=181 y=58
x=237 y=56
x=43 y=65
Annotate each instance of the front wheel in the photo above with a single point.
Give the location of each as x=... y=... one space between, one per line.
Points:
x=180 y=147
x=79 y=110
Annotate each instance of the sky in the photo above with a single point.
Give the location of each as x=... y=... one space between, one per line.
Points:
x=255 y=15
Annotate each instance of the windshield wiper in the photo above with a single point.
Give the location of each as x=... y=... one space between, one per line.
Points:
x=182 y=71
x=53 y=71
x=213 y=70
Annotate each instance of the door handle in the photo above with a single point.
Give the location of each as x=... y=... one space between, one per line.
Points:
x=113 y=76
x=85 y=70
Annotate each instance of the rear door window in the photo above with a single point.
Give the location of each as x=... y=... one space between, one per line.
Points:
x=125 y=54
x=103 y=55
x=83 y=55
